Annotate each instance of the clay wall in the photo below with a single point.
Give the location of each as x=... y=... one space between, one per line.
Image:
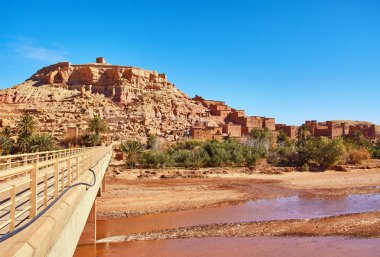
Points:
x=232 y=130
x=270 y=124
x=206 y=133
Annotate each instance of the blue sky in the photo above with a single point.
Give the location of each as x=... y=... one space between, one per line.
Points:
x=292 y=60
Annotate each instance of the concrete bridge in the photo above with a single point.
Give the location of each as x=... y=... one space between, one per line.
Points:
x=47 y=200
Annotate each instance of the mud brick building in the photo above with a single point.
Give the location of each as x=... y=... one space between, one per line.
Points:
x=206 y=133
x=234 y=123
x=290 y=131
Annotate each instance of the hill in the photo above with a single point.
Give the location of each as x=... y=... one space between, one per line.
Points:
x=133 y=101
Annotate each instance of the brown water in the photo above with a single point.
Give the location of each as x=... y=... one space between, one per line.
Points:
x=243 y=247
x=262 y=210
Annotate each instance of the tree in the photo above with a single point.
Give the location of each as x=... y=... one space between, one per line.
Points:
x=261 y=140
x=26 y=126
x=322 y=152
x=132 y=150
x=97 y=125
x=42 y=143
x=303 y=134
x=329 y=152
x=282 y=138
x=24 y=144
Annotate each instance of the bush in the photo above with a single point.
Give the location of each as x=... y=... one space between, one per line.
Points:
x=284 y=154
x=198 y=158
x=180 y=156
x=357 y=156
x=218 y=153
x=328 y=152
x=322 y=152
x=188 y=144
x=376 y=151
x=90 y=140
x=305 y=167
x=250 y=155
x=152 y=142
x=155 y=159
x=6 y=146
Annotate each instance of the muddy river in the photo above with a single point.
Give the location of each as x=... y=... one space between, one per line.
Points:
x=227 y=247
x=263 y=210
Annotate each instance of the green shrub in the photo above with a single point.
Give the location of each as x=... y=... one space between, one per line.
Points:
x=376 y=151
x=180 y=156
x=250 y=155
x=155 y=159
x=6 y=146
x=152 y=142
x=198 y=158
x=219 y=155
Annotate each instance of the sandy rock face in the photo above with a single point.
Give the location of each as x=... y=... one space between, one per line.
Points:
x=132 y=100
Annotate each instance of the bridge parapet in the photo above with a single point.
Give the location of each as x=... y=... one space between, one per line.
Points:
x=32 y=183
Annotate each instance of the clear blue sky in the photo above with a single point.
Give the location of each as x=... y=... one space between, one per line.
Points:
x=292 y=60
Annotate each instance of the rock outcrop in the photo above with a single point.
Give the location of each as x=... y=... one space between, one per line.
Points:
x=134 y=101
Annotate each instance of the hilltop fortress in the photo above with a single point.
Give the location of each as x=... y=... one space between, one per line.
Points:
x=122 y=84
x=136 y=102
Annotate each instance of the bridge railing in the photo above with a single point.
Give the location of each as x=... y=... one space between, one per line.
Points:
x=29 y=181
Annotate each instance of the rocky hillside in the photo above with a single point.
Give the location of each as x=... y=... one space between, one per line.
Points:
x=132 y=100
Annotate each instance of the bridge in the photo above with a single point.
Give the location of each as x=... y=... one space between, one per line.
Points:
x=47 y=200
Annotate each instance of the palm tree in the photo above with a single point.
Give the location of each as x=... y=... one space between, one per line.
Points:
x=42 y=142
x=97 y=125
x=26 y=126
x=24 y=144
x=132 y=150
x=91 y=140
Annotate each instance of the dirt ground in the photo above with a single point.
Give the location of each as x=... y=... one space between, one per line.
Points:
x=139 y=192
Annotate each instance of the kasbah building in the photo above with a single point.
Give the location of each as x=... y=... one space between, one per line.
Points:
x=234 y=123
